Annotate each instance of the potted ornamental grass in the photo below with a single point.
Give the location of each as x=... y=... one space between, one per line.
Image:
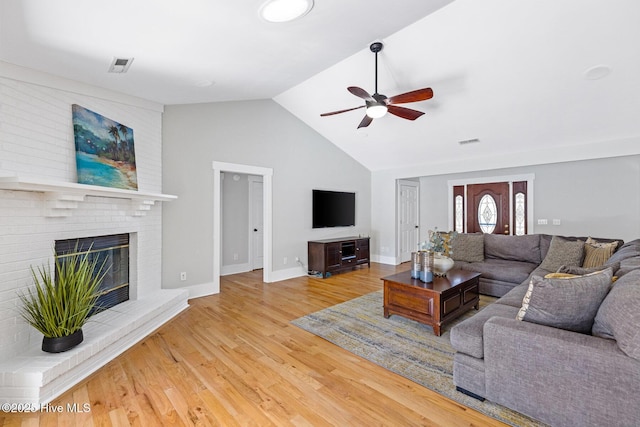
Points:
x=61 y=302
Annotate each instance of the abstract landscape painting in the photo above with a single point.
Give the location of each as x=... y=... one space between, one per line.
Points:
x=104 y=150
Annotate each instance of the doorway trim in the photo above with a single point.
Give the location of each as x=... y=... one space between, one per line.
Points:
x=252 y=194
x=267 y=212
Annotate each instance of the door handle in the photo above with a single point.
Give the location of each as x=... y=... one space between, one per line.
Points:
x=255 y=229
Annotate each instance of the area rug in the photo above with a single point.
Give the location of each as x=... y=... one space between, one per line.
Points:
x=403 y=346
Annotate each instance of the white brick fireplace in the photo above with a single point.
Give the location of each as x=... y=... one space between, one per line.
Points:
x=40 y=203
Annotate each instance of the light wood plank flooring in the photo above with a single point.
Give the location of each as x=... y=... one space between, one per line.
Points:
x=233 y=359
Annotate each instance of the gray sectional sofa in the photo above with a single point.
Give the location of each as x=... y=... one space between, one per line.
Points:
x=580 y=370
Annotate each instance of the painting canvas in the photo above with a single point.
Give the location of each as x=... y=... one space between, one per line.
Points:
x=105 y=154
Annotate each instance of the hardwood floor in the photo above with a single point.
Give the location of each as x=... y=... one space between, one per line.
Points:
x=233 y=359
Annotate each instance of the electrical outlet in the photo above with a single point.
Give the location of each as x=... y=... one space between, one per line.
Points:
x=235 y=257
x=542 y=222
x=285 y=260
x=183 y=276
x=297 y=259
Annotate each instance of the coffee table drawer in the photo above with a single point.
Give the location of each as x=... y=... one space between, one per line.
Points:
x=398 y=297
x=451 y=304
x=470 y=293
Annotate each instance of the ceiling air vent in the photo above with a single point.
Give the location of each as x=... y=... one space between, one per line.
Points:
x=120 y=65
x=468 y=141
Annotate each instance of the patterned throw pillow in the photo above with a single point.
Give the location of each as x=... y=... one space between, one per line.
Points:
x=565 y=303
x=563 y=252
x=597 y=253
x=468 y=247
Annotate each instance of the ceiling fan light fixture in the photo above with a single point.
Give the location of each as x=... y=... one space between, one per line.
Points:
x=285 y=10
x=375 y=111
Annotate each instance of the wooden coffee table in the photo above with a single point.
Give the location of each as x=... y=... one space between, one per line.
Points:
x=434 y=303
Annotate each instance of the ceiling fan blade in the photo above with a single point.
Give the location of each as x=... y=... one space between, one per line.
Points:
x=366 y=121
x=341 y=111
x=360 y=93
x=405 y=113
x=413 y=96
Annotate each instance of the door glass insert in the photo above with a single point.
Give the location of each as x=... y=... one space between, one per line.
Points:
x=459 y=215
x=519 y=214
x=487 y=214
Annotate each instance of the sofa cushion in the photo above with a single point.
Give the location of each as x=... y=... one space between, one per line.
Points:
x=619 y=317
x=565 y=303
x=499 y=269
x=468 y=247
x=515 y=248
x=597 y=253
x=629 y=251
x=466 y=336
x=563 y=252
x=515 y=296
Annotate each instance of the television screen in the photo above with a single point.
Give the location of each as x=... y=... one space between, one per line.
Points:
x=333 y=209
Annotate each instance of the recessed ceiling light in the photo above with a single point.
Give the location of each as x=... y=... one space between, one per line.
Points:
x=285 y=10
x=597 y=72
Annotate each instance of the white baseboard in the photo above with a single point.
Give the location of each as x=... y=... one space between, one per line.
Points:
x=390 y=260
x=201 y=290
x=226 y=270
x=289 y=273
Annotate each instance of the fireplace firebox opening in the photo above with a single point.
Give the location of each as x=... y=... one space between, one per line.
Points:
x=113 y=250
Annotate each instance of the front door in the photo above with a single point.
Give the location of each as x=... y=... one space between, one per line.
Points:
x=488 y=208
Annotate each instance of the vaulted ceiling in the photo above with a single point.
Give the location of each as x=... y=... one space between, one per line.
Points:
x=523 y=77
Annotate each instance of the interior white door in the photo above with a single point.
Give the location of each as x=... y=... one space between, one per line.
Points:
x=256 y=224
x=408 y=214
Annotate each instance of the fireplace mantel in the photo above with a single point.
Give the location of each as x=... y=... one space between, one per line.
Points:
x=63 y=197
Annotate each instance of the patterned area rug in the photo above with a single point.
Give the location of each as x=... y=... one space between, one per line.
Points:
x=403 y=346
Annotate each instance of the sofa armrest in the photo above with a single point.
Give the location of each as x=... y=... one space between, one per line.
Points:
x=560 y=377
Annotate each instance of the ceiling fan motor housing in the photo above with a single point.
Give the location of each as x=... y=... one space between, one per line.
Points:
x=376 y=47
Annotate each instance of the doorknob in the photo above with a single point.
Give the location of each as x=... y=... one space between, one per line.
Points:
x=255 y=229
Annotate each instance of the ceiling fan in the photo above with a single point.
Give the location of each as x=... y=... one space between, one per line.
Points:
x=377 y=105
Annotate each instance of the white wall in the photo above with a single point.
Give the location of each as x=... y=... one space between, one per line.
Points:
x=597 y=197
x=36 y=141
x=256 y=133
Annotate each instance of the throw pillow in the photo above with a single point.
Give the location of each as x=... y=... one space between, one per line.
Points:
x=560 y=275
x=563 y=252
x=468 y=247
x=619 y=318
x=581 y=271
x=567 y=303
x=597 y=253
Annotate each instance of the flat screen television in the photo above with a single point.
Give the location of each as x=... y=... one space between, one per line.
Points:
x=333 y=209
